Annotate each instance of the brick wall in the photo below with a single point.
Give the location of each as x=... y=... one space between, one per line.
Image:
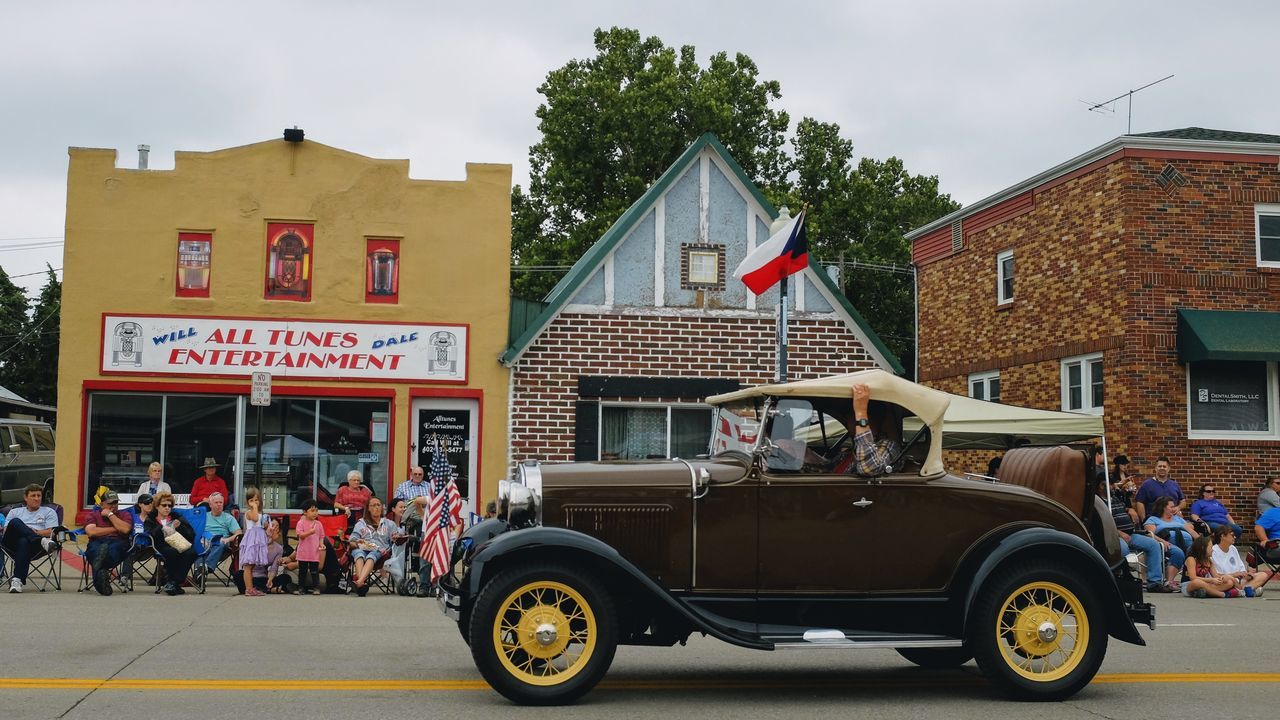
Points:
x=545 y=384
x=1102 y=263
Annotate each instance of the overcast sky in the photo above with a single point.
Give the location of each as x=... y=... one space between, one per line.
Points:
x=981 y=93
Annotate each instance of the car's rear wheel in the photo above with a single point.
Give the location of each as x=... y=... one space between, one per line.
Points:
x=543 y=634
x=937 y=658
x=1037 y=632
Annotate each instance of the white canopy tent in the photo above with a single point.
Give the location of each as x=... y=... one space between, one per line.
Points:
x=971 y=424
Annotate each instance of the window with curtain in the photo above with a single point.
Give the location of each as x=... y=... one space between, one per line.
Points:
x=636 y=432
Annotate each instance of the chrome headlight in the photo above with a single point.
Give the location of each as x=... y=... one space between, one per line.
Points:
x=524 y=501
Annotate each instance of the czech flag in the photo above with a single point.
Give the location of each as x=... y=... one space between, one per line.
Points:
x=783 y=255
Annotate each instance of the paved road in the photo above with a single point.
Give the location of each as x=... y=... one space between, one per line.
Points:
x=85 y=656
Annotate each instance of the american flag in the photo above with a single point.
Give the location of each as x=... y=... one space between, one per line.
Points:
x=443 y=512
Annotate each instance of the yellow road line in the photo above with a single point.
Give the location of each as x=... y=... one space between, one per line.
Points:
x=357 y=686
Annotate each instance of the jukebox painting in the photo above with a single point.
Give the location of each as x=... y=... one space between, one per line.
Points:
x=194 y=251
x=381 y=270
x=289 y=257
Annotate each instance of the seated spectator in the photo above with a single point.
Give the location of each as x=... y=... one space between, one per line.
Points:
x=351 y=498
x=1205 y=581
x=162 y=525
x=417 y=492
x=1167 y=524
x=1267 y=528
x=370 y=542
x=396 y=512
x=1131 y=538
x=1121 y=479
x=108 y=531
x=1226 y=561
x=491 y=509
x=209 y=483
x=1175 y=546
x=154 y=484
x=28 y=533
x=217 y=523
x=1211 y=511
x=1269 y=497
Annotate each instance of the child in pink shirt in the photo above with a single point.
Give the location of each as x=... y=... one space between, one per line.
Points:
x=310 y=534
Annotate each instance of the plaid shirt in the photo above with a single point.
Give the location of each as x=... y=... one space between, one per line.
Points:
x=409 y=490
x=871 y=455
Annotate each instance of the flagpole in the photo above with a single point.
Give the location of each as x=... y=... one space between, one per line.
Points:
x=782 y=330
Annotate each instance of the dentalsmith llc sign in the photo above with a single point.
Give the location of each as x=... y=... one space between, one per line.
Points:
x=404 y=352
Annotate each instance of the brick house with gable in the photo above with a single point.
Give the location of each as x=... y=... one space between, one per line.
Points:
x=617 y=360
x=1139 y=280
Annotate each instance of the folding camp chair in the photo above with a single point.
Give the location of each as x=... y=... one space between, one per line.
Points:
x=44 y=570
x=119 y=577
x=195 y=518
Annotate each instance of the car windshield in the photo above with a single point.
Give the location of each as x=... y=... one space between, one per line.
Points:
x=736 y=427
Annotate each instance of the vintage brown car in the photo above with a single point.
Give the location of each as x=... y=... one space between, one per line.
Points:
x=765 y=544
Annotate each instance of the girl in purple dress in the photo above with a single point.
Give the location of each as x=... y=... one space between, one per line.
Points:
x=253 y=547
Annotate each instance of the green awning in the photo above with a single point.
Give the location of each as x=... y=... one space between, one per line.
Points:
x=1228 y=335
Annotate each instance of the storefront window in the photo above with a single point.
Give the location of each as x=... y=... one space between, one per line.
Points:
x=308 y=444
x=1231 y=399
x=124 y=438
x=344 y=445
x=198 y=427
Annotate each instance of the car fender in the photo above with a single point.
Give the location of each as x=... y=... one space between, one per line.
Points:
x=1029 y=542
x=518 y=542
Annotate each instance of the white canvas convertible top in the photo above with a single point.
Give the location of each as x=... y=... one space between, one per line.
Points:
x=925 y=403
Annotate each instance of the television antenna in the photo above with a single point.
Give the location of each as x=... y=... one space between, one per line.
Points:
x=1104 y=106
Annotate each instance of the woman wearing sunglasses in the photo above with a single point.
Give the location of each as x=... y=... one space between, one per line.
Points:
x=162 y=524
x=1211 y=510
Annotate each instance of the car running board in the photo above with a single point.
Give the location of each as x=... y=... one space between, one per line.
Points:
x=819 y=639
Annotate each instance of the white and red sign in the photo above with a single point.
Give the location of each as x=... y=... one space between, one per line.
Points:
x=324 y=349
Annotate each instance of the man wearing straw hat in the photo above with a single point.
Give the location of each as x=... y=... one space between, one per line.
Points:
x=209 y=483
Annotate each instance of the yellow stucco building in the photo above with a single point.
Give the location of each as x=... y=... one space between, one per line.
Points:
x=378 y=303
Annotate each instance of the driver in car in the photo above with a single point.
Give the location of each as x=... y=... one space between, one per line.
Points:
x=875 y=442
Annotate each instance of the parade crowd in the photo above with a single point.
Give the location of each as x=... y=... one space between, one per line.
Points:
x=364 y=542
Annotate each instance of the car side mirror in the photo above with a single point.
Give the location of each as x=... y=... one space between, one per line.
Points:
x=14 y=448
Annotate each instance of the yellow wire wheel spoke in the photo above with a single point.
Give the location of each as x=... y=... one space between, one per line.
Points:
x=544 y=633
x=1042 y=631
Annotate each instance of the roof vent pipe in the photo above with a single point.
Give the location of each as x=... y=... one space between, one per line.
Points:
x=143 y=152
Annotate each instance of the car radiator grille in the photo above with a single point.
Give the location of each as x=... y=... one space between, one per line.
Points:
x=637 y=532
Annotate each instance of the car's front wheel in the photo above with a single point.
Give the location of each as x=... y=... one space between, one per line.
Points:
x=1037 y=632
x=543 y=634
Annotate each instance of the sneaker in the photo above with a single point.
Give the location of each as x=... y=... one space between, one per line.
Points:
x=1249 y=592
x=170 y=589
x=15 y=585
x=1257 y=592
x=1233 y=593
x=48 y=544
x=1199 y=593
x=363 y=590
x=102 y=581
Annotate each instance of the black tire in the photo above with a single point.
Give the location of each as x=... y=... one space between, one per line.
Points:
x=937 y=658
x=509 y=598
x=1018 y=660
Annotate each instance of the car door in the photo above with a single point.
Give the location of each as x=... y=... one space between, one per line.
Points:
x=817 y=527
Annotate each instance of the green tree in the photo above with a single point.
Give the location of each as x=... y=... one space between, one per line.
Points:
x=613 y=123
x=13 y=325
x=36 y=357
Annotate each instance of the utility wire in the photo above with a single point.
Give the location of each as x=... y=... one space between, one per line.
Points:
x=34 y=328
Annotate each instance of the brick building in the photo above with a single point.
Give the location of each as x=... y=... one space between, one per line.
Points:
x=617 y=360
x=1140 y=280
